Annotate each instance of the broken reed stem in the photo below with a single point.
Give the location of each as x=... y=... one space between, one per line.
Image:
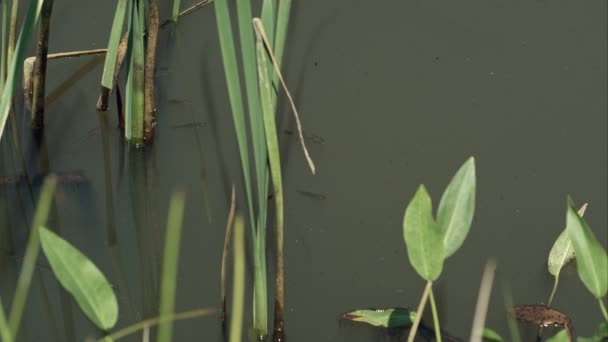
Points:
x=419 y=311
x=225 y=254
x=186 y=12
x=149 y=71
x=40 y=66
x=483 y=301
x=102 y=102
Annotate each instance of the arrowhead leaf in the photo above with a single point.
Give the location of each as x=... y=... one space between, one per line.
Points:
x=562 y=251
x=387 y=318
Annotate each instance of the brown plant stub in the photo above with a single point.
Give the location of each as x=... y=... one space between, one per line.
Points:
x=542 y=315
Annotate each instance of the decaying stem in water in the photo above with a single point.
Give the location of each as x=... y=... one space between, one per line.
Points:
x=40 y=65
x=149 y=71
x=102 y=102
x=225 y=254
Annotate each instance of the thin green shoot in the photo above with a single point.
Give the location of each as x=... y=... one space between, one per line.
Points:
x=170 y=266
x=137 y=114
x=483 y=301
x=5 y=331
x=435 y=317
x=175 y=10
x=259 y=27
x=278 y=41
x=16 y=64
x=150 y=322
x=110 y=62
x=513 y=327
x=272 y=145
x=419 y=311
x=31 y=253
x=603 y=308
x=238 y=288
x=269 y=18
x=4 y=51
x=229 y=225
x=12 y=32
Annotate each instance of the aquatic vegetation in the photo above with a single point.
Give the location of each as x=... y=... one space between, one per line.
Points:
x=386 y=318
x=238 y=288
x=428 y=242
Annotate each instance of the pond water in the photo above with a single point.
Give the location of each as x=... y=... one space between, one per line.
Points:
x=392 y=94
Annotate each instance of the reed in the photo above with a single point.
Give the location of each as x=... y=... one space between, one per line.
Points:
x=238 y=287
x=4 y=38
x=107 y=79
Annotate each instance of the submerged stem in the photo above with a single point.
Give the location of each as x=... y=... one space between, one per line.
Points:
x=419 y=311
x=435 y=317
x=149 y=71
x=40 y=65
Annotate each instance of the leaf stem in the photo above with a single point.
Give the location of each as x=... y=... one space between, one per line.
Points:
x=425 y=296
x=435 y=317
x=553 y=291
x=603 y=308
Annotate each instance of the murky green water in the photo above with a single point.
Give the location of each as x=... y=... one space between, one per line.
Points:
x=392 y=94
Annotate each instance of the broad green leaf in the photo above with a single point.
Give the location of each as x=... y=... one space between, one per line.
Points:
x=562 y=251
x=80 y=277
x=591 y=258
x=600 y=334
x=457 y=207
x=424 y=242
x=387 y=318
x=561 y=336
x=491 y=335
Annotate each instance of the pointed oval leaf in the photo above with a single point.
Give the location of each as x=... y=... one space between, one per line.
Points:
x=423 y=240
x=80 y=277
x=387 y=318
x=457 y=207
x=491 y=335
x=591 y=258
x=562 y=251
x=561 y=336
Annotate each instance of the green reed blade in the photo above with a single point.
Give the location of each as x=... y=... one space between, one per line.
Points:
x=5 y=331
x=238 y=287
x=224 y=27
x=170 y=266
x=269 y=18
x=283 y=12
x=31 y=18
x=129 y=70
x=175 y=10
x=137 y=119
x=4 y=52
x=110 y=62
x=31 y=251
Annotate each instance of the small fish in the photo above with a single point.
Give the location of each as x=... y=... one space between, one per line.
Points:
x=194 y=124
x=313 y=195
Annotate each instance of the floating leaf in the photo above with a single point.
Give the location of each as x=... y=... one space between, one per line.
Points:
x=562 y=251
x=600 y=334
x=491 y=335
x=424 y=242
x=591 y=258
x=561 y=336
x=541 y=315
x=387 y=318
x=457 y=207
x=80 y=277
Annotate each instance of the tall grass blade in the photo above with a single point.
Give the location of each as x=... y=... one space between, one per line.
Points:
x=591 y=258
x=5 y=331
x=424 y=242
x=272 y=144
x=257 y=23
x=238 y=287
x=4 y=37
x=280 y=36
x=229 y=225
x=12 y=32
x=170 y=266
x=175 y=10
x=31 y=254
x=81 y=278
x=137 y=119
x=16 y=65
x=269 y=18
x=110 y=62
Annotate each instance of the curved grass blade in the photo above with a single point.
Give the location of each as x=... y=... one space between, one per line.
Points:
x=31 y=254
x=386 y=318
x=457 y=207
x=80 y=277
x=110 y=62
x=424 y=242
x=491 y=335
x=170 y=266
x=591 y=258
x=561 y=254
x=29 y=22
